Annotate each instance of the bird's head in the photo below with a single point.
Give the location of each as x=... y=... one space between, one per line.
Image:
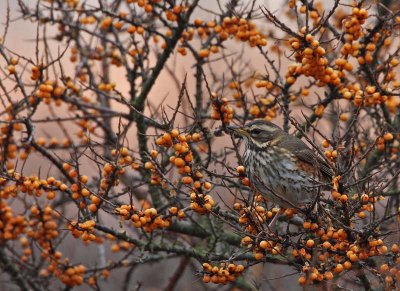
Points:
x=257 y=133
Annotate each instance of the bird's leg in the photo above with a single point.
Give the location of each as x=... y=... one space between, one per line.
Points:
x=273 y=221
x=316 y=208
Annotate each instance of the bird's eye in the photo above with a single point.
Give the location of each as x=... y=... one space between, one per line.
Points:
x=255 y=131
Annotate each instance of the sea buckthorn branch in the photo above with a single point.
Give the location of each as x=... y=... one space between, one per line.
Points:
x=202 y=256
x=184 y=193
x=13 y=269
x=11 y=70
x=138 y=101
x=271 y=17
x=323 y=21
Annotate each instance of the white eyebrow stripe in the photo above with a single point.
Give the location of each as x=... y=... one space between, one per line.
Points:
x=264 y=126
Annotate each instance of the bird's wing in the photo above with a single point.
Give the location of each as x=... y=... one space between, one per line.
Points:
x=305 y=154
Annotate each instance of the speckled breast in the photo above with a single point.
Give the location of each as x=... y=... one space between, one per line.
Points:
x=278 y=175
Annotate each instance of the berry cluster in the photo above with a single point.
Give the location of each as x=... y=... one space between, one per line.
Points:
x=222 y=274
x=183 y=160
x=221 y=110
x=312 y=61
x=148 y=219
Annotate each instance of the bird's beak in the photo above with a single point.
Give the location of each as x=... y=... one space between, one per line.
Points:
x=239 y=131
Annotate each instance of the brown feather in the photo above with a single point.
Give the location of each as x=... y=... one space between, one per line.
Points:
x=305 y=154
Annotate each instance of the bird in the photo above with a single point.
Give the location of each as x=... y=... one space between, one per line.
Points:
x=281 y=166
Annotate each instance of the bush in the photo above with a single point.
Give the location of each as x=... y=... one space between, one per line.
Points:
x=115 y=152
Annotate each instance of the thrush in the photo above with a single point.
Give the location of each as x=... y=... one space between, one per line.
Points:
x=281 y=166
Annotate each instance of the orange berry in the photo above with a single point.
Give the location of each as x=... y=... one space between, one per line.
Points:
x=361 y=214
x=338 y=268
x=11 y=69
x=319 y=110
x=206 y=278
x=167 y=137
x=353 y=258
x=264 y=244
x=328 y=154
x=41 y=141
x=204 y=53
x=290 y=80
x=85 y=192
x=187 y=180
x=388 y=136
x=343 y=117
x=246 y=182
x=307 y=225
x=258 y=256
x=73 y=173
x=336 y=195
x=66 y=166
x=92 y=207
x=326 y=245
x=207 y=185
x=302 y=280
x=310 y=243
x=347 y=265
x=124 y=151
x=148 y=166
x=95 y=199
x=239 y=268
x=84 y=179
x=325 y=143
x=179 y=162
x=131 y=29
x=51 y=195
x=309 y=37
x=384 y=268
x=240 y=170
x=63 y=187
x=108 y=168
x=328 y=275
x=174 y=133
x=115 y=248
x=215 y=279
x=344 y=198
